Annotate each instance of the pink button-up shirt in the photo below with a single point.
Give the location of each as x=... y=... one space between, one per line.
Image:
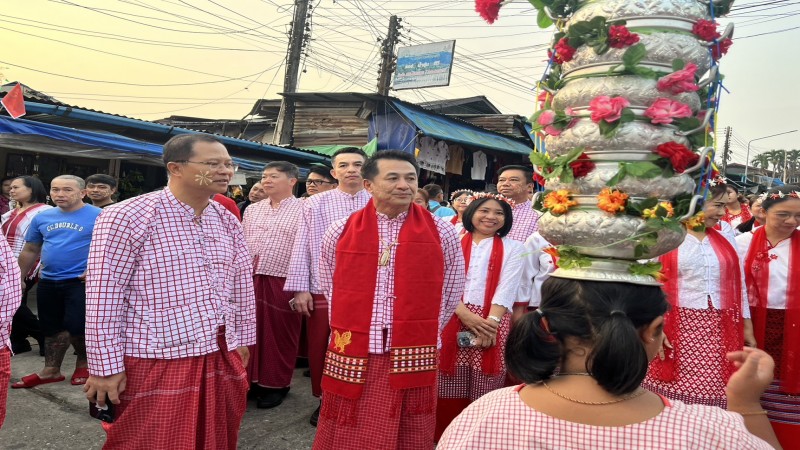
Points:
x=383 y=307
x=526 y=221
x=10 y=292
x=270 y=232
x=161 y=282
x=319 y=212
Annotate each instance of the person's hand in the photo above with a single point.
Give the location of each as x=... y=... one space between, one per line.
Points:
x=486 y=341
x=100 y=389
x=749 y=335
x=475 y=323
x=665 y=344
x=754 y=373
x=303 y=303
x=244 y=352
x=82 y=276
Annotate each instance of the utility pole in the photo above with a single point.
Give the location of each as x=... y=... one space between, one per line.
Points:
x=388 y=62
x=297 y=41
x=726 y=151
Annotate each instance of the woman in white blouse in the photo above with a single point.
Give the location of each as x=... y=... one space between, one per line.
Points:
x=772 y=275
x=473 y=342
x=709 y=314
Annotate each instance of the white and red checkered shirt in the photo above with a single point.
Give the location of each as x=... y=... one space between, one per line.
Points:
x=161 y=282
x=270 y=232
x=500 y=419
x=383 y=307
x=526 y=221
x=319 y=212
x=10 y=292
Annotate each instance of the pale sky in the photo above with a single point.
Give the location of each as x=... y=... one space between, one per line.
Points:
x=213 y=58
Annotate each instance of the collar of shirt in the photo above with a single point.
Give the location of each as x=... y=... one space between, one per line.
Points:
x=175 y=203
x=350 y=196
x=524 y=205
x=280 y=203
x=400 y=217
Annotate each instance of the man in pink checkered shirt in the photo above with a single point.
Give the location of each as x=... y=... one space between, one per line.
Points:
x=10 y=295
x=269 y=228
x=319 y=211
x=393 y=274
x=170 y=308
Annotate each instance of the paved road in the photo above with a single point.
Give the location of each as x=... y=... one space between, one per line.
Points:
x=55 y=416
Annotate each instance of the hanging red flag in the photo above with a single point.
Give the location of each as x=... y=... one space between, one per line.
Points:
x=14 y=102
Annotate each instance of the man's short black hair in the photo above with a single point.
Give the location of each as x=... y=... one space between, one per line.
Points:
x=285 y=167
x=508 y=220
x=526 y=170
x=345 y=150
x=101 y=178
x=179 y=148
x=323 y=171
x=370 y=168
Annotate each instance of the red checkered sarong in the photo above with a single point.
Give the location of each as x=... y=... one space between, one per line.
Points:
x=783 y=409
x=382 y=418
x=273 y=357
x=700 y=378
x=319 y=331
x=186 y=403
x=5 y=377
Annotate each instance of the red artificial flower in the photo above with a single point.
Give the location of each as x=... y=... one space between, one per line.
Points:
x=620 y=37
x=706 y=30
x=489 y=10
x=564 y=53
x=538 y=179
x=680 y=157
x=720 y=48
x=581 y=166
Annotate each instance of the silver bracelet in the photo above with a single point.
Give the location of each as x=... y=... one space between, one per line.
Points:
x=495 y=318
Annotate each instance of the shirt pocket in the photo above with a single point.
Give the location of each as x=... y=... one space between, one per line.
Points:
x=175 y=327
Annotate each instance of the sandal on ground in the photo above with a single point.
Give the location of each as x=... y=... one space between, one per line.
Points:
x=80 y=376
x=34 y=380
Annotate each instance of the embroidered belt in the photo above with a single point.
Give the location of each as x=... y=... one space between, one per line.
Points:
x=413 y=359
x=345 y=368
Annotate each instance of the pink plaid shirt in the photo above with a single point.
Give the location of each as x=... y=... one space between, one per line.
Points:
x=10 y=292
x=270 y=233
x=526 y=221
x=319 y=212
x=160 y=282
x=383 y=308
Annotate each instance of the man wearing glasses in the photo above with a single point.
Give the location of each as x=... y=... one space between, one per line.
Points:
x=320 y=180
x=170 y=308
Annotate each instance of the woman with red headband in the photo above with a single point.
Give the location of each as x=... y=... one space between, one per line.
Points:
x=473 y=342
x=772 y=274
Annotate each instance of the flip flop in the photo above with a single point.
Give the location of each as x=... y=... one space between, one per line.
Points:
x=81 y=373
x=34 y=380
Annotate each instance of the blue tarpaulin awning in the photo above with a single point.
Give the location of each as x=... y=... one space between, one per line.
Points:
x=442 y=127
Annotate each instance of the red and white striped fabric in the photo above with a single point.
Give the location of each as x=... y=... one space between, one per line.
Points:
x=270 y=232
x=161 y=282
x=526 y=221
x=10 y=292
x=501 y=420
x=319 y=212
x=383 y=306
x=5 y=377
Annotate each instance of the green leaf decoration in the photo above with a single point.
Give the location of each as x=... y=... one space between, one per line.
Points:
x=627 y=116
x=543 y=20
x=540 y=159
x=608 y=129
x=642 y=169
x=569 y=258
x=537 y=4
x=644 y=72
x=678 y=64
x=634 y=55
x=652 y=269
x=614 y=181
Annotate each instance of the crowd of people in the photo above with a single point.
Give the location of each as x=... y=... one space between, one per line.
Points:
x=422 y=322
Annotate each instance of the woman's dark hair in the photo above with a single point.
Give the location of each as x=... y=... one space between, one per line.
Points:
x=38 y=192
x=746 y=227
x=769 y=202
x=718 y=189
x=605 y=315
x=470 y=211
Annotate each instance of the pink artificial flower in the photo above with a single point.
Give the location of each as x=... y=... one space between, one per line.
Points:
x=679 y=81
x=607 y=108
x=720 y=48
x=664 y=110
x=489 y=10
x=571 y=113
x=542 y=98
x=706 y=30
x=551 y=130
x=620 y=37
x=547 y=117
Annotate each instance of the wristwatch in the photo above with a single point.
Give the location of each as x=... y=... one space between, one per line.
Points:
x=495 y=318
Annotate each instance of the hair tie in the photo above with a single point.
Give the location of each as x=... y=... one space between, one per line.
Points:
x=540 y=312
x=618 y=312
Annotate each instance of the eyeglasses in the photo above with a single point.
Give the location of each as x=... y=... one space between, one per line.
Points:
x=318 y=182
x=213 y=165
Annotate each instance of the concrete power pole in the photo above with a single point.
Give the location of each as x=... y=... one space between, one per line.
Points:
x=726 y=151
x=285 y=123
x=388 y=62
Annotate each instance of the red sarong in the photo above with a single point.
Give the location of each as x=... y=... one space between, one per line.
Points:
x=272 y=359
x=186 y=403
x=319 y=331
x=5 y=377
x=397 y=418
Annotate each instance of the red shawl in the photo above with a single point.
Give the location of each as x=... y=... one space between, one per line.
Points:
x=454 y=220
x=417 y=299
x=730 y=292
x=490 y=362
x=757 y=265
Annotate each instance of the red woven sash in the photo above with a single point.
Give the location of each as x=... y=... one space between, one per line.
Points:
x=490 y=361
x=417 y=299
x=730 y=292
x=757 y=264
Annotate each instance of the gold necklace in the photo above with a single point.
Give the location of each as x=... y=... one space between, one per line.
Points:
x=608 y=402
x=383 y=261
